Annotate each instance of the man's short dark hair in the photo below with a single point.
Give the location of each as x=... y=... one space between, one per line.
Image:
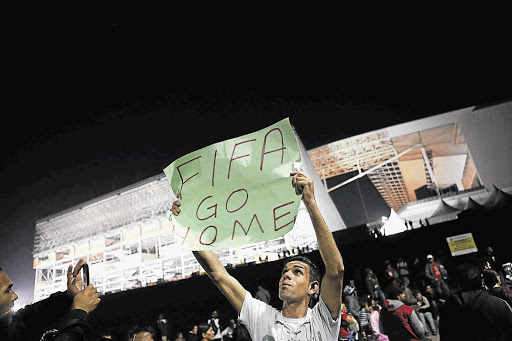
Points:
x=393 y=291
x=155 y=333
x=314 y=273
x=490 y=278
x=202 y=328
x=468 y=276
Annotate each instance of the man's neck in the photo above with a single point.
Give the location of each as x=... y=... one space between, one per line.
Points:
x=295 y=310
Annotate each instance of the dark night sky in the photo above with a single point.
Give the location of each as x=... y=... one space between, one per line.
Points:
x=92 y=109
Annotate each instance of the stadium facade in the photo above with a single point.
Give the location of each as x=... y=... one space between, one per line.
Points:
x=419 y=168
x=128 y=240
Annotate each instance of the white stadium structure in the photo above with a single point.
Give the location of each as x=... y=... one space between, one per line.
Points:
x=426 y=170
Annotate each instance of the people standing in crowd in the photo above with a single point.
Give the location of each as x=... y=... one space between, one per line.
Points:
x=507 y=274
x=391 y=276
x=436 y=273
x=493 y=285
x=399 y=321
x=373 y=286
x=417 y=274
x=352 y=301
x=144 y=333
x=262 y=294
x=376 y=334
x=205 y=332
x=192 y=334
x=33 y=320
x=179 y=337
x=402 y=268
x=471 y=313
x=229 y=331
x=423 y=309
x=490 y=257
x=214 y=321
x=163 y=326
x=241 y=332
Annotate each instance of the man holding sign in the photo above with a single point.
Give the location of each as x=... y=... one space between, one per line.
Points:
x=238 y=191
x=299 y=282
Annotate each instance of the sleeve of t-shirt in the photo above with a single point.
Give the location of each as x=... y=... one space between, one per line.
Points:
x=326 y=318
x=254 y=313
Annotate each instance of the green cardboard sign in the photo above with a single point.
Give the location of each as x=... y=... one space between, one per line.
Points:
x=238 y=191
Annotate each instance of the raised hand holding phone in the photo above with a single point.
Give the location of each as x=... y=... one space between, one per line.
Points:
x=85 y=275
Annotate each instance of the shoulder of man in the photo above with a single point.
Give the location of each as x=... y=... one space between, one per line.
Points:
x=406 y=309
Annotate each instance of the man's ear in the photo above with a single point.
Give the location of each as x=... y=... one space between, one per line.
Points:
x=314 y=286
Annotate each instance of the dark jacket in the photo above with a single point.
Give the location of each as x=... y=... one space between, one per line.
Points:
x=74 y=327
x=429 y=273
x=372 y=283
x=30 y=322
x=503 y=292
x=390 y=277
x=483 y=317
x=399 y=322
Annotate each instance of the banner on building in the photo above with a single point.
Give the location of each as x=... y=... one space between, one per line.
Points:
x=461 y=244
x=238 y=191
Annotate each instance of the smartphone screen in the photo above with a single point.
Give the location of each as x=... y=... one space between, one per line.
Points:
x=85 y=276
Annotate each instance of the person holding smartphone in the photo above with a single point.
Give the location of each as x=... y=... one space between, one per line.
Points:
x=33 y=320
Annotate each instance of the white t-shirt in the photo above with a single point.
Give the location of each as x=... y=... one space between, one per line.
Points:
x=266 y=323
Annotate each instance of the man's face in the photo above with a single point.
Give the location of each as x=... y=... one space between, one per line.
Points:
x=294 y=282
x=7 y=295
x=209 y=335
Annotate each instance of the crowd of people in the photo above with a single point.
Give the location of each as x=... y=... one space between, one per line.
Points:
x=205 y=331
x=401 y=302
x=406 y=302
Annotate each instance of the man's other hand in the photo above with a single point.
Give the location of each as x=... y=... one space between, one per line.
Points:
x=176 y=208
x=75 y=279
x=87 y=299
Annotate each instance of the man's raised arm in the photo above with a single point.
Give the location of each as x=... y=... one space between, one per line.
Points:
x=227 y=284
x=332 y=282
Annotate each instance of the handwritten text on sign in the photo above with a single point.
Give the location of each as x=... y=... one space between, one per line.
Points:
x=238 y=191
x=461 y=244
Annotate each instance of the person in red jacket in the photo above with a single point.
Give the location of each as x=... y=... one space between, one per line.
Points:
x=399 y=321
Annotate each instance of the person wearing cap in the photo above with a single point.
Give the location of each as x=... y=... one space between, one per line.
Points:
x=437 y=275
x=351 y=301
x=399 y=321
